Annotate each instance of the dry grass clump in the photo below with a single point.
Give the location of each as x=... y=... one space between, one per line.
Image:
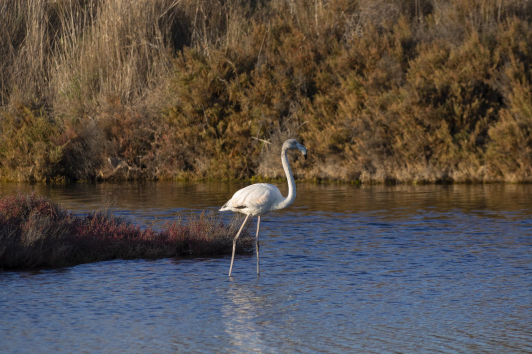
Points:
x=35 y=232
x=379 y=90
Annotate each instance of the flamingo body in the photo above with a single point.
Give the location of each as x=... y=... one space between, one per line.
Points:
x=256 y=199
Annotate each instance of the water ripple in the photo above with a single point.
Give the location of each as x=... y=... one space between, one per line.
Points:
x=443 y=269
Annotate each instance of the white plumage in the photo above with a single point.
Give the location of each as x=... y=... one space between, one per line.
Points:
x=256 y=199
x=261 y=198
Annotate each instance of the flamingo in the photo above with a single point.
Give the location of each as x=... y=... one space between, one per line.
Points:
x=261 y=198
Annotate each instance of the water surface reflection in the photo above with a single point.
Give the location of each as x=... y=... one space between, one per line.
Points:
x=340 y=198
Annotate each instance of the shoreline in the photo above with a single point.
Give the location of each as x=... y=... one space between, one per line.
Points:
x=269 y=180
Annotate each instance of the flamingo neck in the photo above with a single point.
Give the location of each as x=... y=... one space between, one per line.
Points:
x=291 y=183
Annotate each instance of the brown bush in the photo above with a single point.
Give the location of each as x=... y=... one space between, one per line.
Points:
x=381 y=90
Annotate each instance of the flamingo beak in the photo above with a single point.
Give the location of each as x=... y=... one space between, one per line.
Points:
x=303 y=150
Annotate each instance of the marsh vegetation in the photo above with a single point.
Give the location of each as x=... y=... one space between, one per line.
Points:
x=379 y=90
x=35 y=232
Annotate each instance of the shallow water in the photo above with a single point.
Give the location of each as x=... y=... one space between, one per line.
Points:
x=345 y=269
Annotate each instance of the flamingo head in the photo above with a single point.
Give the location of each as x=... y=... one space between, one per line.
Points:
x=293 y=145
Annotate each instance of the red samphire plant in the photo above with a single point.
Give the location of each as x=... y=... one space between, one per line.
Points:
x=35 y=232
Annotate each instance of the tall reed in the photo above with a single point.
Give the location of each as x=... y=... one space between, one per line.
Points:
x=380 y=90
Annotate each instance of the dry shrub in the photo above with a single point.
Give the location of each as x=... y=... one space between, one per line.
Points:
x=227 y=104
x=379 y=91
x=382 y=91
x=509 y=154
x=35 y=232
x=28 y=145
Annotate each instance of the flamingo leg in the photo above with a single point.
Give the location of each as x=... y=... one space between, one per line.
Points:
x=234 y=243
x=257 y=245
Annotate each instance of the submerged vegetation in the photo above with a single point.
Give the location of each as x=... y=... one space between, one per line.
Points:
x=34 y=232
x=378 y=90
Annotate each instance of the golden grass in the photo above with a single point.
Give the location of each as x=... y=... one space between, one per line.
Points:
x=379 y=91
